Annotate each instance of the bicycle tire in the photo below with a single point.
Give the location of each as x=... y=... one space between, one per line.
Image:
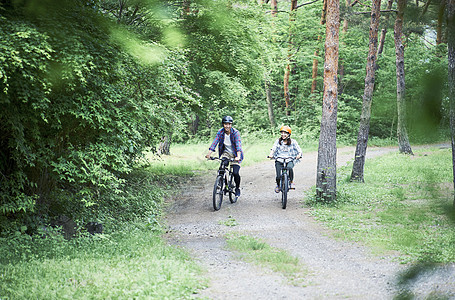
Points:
x=218 y=192
x=284 y=190
x=231 y=189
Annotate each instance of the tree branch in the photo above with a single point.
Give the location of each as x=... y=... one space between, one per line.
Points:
x=303 y=4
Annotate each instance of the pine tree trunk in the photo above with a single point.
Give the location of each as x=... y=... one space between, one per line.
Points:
x=287 y=72
x=274 y=7
x=403 y=140
x=287 y=97
x=326 y=165
x=268 y=95
x=364 y=128
x=384 y=30
x=451 y=77
x=165 y=145
x=440 y=21
x=315 y=71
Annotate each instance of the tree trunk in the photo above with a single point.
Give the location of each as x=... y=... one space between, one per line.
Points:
x=403 y=140
x=451 y=77
x=344 y=30
x=364 y=128
x=165 y=145
x=287 y=97
x=326 y=166
x=274 y=7
x=194 y=125
x=384 y=30
x=314 y=74
x=287 y=72
x=440 y=21
x=268 y=94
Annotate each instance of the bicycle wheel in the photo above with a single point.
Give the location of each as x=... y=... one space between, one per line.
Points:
x=284 y=190
x=218 y=192
x=231 y=189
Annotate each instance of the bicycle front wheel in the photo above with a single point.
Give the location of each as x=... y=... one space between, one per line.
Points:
x=218 y=192
x=284 y=190
x=231 y=189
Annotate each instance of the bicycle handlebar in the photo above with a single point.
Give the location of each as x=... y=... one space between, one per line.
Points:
x=217 y=158
x=280 y=157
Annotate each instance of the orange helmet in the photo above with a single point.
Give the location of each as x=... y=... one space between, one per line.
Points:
x=286 y=129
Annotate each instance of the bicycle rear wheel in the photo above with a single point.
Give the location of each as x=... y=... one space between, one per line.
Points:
x=284 y=190
x=231 y=189
x=218 y=192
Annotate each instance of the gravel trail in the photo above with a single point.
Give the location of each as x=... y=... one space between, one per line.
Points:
x=336 y=269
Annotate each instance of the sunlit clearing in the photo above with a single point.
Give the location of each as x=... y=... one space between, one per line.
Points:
x=173 y=37
x=145 y=53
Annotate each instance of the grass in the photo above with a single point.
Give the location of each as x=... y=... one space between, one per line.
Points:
x=258 y=252
x=134 y=263
x=403 y=208
x=185 y=159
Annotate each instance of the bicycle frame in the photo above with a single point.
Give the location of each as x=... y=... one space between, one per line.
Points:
x=223 y=182
x=285 y=181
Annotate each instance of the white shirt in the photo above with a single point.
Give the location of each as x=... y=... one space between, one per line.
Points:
x=228 y=144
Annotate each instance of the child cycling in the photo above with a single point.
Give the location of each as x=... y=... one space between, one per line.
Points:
x=287 y=148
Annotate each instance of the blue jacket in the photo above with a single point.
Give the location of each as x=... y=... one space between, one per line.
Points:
x=235 y=141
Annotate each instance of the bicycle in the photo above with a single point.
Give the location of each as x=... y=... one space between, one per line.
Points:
x=224 y=182
x=285 y=181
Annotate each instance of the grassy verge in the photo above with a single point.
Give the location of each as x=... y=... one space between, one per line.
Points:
x=262 y=254
x=127 y=265
x=129 y=261
x=404 y=206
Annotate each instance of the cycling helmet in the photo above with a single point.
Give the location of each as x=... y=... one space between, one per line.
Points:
x=286 y=129
x=227 y=119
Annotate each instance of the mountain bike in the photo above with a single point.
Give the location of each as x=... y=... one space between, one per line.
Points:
x=224 y=182
x=285 y=181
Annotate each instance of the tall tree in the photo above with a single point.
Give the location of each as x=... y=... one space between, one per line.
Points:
x=403 y=140
x=451 y=76
x=314 y=73
x=326 y=166
x=287 y=72
x=384 y=30
x=364 y=128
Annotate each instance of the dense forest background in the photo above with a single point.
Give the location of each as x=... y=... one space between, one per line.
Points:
x=87 y=87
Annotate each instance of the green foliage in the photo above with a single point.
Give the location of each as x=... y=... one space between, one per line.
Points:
x=404 y=205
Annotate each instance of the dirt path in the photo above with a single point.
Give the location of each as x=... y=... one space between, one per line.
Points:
x=337 y=269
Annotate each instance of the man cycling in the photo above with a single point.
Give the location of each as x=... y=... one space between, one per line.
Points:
x=229 y=146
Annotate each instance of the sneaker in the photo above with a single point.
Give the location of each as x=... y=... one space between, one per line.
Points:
x=292 y=187
x=277 y=189
x=237 y=193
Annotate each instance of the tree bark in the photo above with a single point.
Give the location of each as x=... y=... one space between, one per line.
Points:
x=165 y=145
x=364 y=128
x=403 y=140
x=384 y=30
x=326 y=165
x=314 y=74
x=440 y=20
x=268 y=94
x=451 y=77
x=274 y=7
x=287 y=72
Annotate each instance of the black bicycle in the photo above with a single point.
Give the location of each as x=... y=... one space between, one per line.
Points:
x=224 y=182
x=285 y=181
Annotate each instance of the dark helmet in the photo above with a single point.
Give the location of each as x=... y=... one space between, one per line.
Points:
x=227 y=119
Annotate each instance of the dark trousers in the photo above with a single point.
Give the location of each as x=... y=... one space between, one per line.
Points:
x=235 y=173
x=279 y=166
